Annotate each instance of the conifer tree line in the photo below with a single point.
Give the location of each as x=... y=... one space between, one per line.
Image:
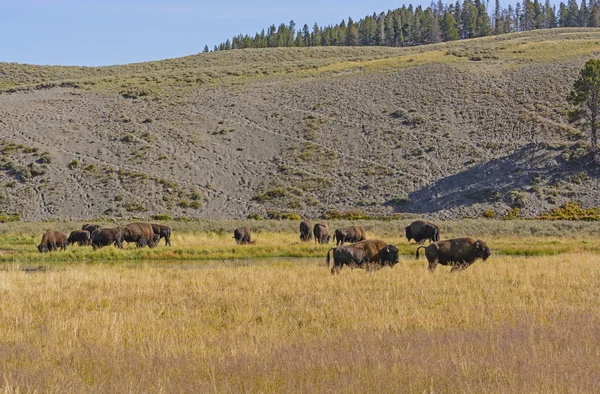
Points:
x=407 y=26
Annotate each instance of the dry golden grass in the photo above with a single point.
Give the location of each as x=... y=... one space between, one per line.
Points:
x=505 y=325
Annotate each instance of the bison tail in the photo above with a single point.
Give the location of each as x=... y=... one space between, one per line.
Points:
x=422 y=246
x=436 y=235
x=328 y=257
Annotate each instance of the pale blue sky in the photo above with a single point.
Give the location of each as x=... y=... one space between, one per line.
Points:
x=93 y=33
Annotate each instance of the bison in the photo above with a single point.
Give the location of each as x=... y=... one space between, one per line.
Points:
x=370 y=254
x=82 y=237
x=305 y=233
x=90 y=227
x=140 y=233
x=107 y=236
x=52 y=240
x=163 y=232
x=458 y=252
x=321 y=233
x=421 y=231
x=349 y=234
x=242 y=235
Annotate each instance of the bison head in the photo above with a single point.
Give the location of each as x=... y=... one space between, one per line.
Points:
x=482 y=249
x=42 y=248
x=409 y=235
x=390 y=255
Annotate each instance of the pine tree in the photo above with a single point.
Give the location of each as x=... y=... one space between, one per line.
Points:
x=205 y=49
x=585 y=102
x=498 y=24
x=352 y=36
x=449 y=32
x=306 y=40
x=316 y=35
x=584 y=17
x=594 y=20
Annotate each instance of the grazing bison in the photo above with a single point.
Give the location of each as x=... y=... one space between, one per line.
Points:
x=90 y=227
x=52 y=240
x=421 y=231
x=321 y=233
x=458 y=252
x=349 y=234
x=107 y=236
x=82 y=237
x=305 y=233
x=242 y=235
x=140 y=233
x=163 y=232
x=370 y=254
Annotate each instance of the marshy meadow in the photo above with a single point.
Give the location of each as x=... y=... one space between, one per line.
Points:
x=208 y=315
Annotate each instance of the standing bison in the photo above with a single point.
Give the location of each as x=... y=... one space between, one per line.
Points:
x=349 y=234
x=421 y=231
x=52 y=240
x=163 y=232
x=82 y=237
x=460 y=253
x=140 y=233
x=242 y=235
x=305 y=230
x=370 y=254
x=321 y=233
x=90 y=227
x=107 y=236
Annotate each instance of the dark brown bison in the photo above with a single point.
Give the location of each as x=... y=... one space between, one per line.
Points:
x=242 y=235
x=140 y=233
x=371 y=254
x=107 y=236
x=321 y=233
x=305 y=230
x=90 y=227
x=458 y=252
x=421 y=231
x=163 y=232
x=82 y=237
x=349 y=234
x=52 y=240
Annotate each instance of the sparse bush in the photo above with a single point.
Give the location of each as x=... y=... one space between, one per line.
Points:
x=277 y=215
x=127 y=138
x=132 y=206
x=162 y=216
x=572 y=211
x=512 y=214
x=489 y=214
x=73 y=164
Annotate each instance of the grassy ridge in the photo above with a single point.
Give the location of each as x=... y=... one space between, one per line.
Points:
x=160 y=77
x=293 y=328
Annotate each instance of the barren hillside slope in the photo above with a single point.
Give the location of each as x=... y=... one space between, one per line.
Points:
x=448 y=130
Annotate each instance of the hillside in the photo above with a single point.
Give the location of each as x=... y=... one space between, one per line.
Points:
x=446 y=130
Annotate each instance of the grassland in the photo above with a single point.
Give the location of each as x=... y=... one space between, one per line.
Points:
x=180 y=319
x=512 y=324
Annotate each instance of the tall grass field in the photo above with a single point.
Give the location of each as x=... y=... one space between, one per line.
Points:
x=142 y=321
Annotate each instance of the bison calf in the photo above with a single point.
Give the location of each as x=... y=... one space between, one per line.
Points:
x=458 y=252
x=370 y=254
x=163 y=232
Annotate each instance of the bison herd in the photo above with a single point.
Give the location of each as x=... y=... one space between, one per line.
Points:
x=143 y=234
x=370 y=254
x=373 y=254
